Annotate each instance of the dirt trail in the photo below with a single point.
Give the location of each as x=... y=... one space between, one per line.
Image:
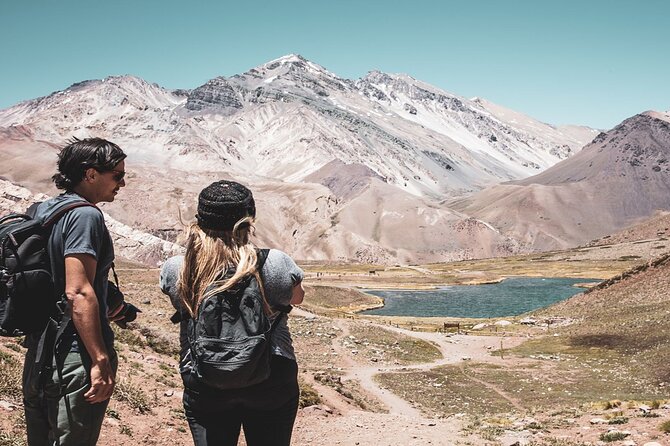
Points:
x=454 y=350
x=404 y=424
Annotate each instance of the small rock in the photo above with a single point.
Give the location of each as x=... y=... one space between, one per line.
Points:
x=7 y=406
x=466 y=358
x=644 y=408
x=652 y=443
x=169 y=393
x=111 y=421
x=598 y=421
x=480 y=326
x=629 y=443
x=503 y=323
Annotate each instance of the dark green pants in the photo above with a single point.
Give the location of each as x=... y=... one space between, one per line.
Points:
x=56 y=412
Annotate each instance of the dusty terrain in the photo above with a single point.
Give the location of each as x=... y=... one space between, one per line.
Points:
x=374 y=381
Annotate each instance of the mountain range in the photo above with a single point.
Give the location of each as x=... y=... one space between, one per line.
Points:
x=381 y=169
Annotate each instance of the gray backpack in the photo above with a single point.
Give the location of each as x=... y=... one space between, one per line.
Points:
x=229 y=336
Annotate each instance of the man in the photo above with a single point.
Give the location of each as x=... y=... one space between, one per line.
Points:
x=66 y=404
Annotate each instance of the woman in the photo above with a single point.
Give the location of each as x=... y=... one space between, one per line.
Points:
x=219 y=255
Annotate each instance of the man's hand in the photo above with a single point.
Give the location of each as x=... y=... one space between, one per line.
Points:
x=102 y=382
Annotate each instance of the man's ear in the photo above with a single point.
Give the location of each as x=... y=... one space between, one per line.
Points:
x=90 y=174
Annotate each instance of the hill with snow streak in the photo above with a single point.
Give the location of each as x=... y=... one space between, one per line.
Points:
x=288 y=118
x=342 y=148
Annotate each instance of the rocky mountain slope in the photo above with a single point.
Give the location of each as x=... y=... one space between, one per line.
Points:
x=132 y=244
x=288 y=118
x=344 y=169
x=619 y=179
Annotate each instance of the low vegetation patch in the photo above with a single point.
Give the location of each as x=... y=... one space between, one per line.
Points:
x=10 y=376
x=445 y=391
x=488 y=389
x=351 y=390
x=608 y=437
x=308 y=396
x=131 y=394
x=330 y=300
x=380 y=345
x=11 y=439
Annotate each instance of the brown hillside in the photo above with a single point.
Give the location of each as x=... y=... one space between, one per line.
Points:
x=625 y=319
x=617 y=180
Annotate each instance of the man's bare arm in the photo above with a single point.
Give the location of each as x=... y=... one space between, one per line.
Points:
x=79 y=278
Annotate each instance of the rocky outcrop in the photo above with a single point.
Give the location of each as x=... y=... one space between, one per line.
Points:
x=216 y=95
x=129 y=243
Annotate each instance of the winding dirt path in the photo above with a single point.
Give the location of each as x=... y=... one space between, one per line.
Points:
x=454 y=349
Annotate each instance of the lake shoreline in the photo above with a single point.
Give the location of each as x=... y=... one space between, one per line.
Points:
x=516 y=295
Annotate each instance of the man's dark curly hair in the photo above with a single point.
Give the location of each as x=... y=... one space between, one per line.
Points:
x=81 y=154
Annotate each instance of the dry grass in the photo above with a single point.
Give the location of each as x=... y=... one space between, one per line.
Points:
x=10 y=376
x=308 y=396
x=385 y=346
x=630 y=334
x=592 y=262
x=551 y=441
x=521 y=388
x=329 y=300
x=12 y=439
x=444 y=391
x=313 y=339
x=132 y=394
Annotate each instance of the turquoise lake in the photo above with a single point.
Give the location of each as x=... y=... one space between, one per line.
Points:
x=510 y=297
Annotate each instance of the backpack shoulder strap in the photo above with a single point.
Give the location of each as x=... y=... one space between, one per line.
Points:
x=262 y=256
x=63 y=209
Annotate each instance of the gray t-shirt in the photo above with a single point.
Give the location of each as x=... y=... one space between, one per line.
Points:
x=279 y=274
x=81 y=231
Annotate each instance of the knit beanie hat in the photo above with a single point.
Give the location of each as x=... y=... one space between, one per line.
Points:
x=224 y=203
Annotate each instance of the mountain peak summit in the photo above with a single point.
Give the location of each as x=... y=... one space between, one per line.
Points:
x=288 y=58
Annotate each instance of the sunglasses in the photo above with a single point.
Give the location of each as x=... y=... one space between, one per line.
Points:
x=118 y=175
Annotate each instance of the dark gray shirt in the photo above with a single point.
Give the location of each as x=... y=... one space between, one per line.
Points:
x=81 y=231
x=279 y=275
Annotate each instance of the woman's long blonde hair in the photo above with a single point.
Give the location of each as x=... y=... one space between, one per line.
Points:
x=209 y=256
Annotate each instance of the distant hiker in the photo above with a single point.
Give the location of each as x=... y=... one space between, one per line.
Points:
x=237 y=361
x=65 y=400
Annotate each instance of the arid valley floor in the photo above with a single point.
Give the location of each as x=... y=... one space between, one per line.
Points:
x=590 y=370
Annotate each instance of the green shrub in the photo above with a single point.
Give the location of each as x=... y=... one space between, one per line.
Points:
x=10 y=376
x=129 y=393
x=308 y=396
x=613 y=436
x=618 y=420
x=11 y=439
x=665 y=427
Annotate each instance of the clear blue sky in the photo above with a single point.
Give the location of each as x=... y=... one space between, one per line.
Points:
x=588 y=62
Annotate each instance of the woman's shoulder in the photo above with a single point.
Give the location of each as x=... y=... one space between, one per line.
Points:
x=278 y=264
x=169 y=276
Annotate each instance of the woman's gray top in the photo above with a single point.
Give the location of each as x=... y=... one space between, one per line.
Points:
x=279 y=274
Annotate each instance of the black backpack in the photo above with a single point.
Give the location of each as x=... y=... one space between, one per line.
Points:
x=230 y=335
x=27 y=295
